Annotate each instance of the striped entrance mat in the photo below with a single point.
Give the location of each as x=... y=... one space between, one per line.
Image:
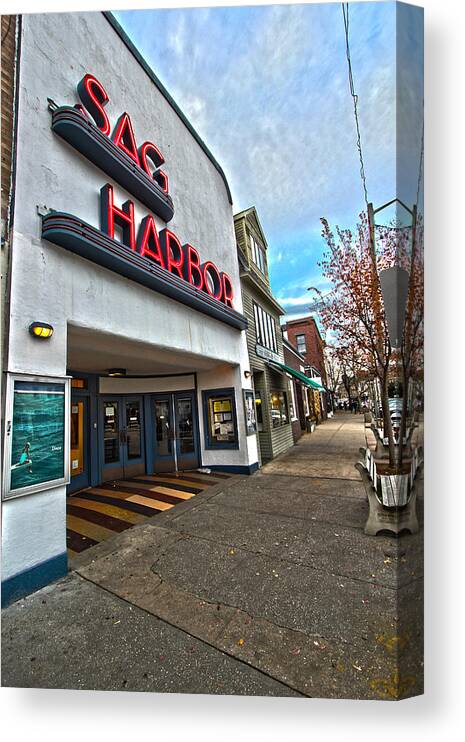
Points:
x=96 y=514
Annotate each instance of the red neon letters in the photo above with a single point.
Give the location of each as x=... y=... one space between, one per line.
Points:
x=163 y=248
x=123 y=137
x=193 y=270
x=111 y=215
x=94 y=97
x=148 y=243
x=147 y=150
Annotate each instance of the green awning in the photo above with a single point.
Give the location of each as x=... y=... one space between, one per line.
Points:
x=298 y=375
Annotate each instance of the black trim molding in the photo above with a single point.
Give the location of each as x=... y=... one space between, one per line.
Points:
x=83 y=239
x=72 y=126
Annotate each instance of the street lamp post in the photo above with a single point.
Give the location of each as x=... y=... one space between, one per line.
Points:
x=396 y=285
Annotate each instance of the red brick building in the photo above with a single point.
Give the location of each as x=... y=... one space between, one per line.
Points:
x=304 y=335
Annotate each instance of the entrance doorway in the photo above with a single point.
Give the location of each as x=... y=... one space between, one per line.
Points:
x=79 y=444
x=123 y=437
x=176 y=435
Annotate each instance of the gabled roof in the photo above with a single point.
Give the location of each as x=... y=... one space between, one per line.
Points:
x=252 y=212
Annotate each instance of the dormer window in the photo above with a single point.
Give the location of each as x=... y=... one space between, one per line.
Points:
x=258 y=255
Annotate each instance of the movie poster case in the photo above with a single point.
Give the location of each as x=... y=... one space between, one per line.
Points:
x=37 y=420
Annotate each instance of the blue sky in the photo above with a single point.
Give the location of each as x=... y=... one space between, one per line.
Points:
x=267 y=89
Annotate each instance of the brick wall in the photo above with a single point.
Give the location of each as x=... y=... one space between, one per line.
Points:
x=314 y=353
x=7 y=90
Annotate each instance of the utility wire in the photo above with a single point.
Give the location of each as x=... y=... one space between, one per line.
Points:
x=345 y=13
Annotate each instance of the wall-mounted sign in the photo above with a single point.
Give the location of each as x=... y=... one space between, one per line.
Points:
x=37 y=430
x=249 y=409
x=138 y=170
x=266 y=353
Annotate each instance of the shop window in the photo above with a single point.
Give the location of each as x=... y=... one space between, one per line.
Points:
x=265 y=328
x=301 y=344
x=279 y=409
x=258 y=255
x=219 y=408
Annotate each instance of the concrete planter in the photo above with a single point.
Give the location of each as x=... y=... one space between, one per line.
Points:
x=391 y=500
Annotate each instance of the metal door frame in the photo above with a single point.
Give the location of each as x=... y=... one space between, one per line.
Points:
x=174 y=461
x=124 y=467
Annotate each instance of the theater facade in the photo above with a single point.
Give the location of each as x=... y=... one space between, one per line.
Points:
x=125 y=346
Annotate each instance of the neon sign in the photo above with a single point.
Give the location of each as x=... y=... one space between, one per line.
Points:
x=138 y=170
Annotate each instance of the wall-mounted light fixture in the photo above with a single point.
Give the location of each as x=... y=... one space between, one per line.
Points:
x=116 y=372
x=247 y=374
x=41 y=330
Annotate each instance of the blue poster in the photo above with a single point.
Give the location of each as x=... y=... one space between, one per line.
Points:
x=38 y=442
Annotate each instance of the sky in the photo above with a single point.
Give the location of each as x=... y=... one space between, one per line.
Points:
x=266 y=87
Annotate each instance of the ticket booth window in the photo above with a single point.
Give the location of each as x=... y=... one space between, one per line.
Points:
x=220 y=418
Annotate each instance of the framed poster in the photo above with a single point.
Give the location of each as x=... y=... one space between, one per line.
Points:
x=249 y=409
x=36 y=434
x=220 y=418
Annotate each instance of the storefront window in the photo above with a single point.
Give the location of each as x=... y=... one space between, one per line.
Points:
x=220 y=418
x=278 y=405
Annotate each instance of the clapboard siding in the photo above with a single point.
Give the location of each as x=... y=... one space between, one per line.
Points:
x=256 y=288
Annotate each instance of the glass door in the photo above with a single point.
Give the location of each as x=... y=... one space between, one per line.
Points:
x=164 y=438
x=175 y=423
x=186 y=431
x=123 y=437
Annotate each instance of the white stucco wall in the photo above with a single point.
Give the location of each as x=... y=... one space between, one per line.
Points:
x=55 y=286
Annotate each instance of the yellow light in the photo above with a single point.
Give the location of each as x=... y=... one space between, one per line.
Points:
x=41 y=330
x=116 y=372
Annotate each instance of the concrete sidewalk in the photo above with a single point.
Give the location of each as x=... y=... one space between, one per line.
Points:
x=261 y=585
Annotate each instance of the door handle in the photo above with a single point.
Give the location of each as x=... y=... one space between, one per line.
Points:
x=123 y=436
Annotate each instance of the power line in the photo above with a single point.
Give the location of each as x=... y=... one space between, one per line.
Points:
x=345 y=13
